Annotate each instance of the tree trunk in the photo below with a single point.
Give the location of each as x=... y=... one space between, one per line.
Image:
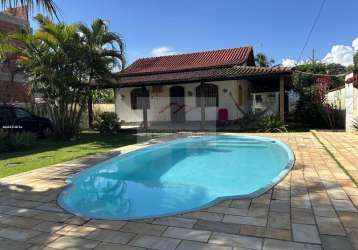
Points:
x=90 y=110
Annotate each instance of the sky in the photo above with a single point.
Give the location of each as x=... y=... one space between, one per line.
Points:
x=279 y=28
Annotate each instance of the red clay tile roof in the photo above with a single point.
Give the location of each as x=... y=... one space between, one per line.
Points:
x=205 y=74
x=206 y=59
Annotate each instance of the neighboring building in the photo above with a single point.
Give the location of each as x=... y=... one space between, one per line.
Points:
x=13 y=90
x=169 y=88
x=351 y=100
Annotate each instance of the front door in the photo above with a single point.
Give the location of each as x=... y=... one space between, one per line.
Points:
x=177 y=104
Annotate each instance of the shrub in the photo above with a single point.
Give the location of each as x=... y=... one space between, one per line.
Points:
x=16 y=141
x=109 y=123
x=272 y=123
x=96 y=120
x=249 y=121
x=4 y=141
x=22 y=140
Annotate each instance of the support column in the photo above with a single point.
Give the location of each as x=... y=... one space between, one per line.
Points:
x=118 y=99
x=202 y=106
x=282 y=98
x=145 y=102
x=253 y=108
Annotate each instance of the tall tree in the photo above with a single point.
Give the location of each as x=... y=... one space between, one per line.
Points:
x=52 y=59
x=262 y=60
x=48 y=5
x=61 y=63
x=105 y=56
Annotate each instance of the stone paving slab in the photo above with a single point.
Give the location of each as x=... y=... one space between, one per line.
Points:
x=313 y=207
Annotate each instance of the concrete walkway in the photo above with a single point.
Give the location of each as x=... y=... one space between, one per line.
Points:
x=314 y=207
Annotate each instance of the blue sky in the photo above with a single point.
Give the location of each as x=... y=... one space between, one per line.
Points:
x=276 y=27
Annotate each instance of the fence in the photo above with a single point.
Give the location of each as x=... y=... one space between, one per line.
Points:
x=100 y=108
x=337 y=98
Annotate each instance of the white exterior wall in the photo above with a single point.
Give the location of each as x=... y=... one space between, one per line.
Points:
x=159 y=102
x=351 y=103
x=337 y=98
x=351 y=106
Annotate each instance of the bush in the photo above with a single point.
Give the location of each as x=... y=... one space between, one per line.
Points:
x=109 y=123
x=309 y=113
x=16 y=141
x=96 y=120
x=3 y=141
x=272 y=123
x=22 y=140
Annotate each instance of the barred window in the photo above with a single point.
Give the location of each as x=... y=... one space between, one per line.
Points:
x=210 y=95
x=139 y=97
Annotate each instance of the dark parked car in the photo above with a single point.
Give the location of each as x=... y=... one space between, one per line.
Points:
x=16 y=119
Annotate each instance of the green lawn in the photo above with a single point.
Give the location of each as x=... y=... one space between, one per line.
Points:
x=50 y=151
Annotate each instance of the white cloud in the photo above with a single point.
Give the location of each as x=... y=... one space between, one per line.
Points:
x=287 y=62
x=355 y=44
x=340 y=54
x=162 y=51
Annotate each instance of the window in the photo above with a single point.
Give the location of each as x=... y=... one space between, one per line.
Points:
x=258 y=98
x=210 y=94
x=20 y=113
x=139 y=97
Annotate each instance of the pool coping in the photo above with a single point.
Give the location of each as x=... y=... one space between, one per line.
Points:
x=285 y=171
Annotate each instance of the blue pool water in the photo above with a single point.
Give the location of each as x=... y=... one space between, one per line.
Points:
x=177 y=176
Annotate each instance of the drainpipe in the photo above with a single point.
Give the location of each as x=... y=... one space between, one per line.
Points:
x=282 y=98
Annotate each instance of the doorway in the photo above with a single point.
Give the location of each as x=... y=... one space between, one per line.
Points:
x=177 y=104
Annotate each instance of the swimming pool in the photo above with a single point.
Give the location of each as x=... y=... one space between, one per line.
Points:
x=177 y=176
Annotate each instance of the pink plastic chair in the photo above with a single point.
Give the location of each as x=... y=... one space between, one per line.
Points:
x=222 y=118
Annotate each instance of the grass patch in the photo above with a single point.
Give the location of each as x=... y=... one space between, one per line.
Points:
x=50 y=151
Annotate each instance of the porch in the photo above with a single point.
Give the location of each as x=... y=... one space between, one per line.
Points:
x=181 y=127
x=194 y=101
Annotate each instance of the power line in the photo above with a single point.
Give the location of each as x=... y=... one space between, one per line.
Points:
x=312 y=29
x=313 y=74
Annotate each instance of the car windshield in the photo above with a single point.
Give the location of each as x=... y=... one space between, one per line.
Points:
x=20 y=113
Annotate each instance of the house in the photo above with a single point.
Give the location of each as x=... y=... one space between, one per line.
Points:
x=193 y=88
x=13 y=88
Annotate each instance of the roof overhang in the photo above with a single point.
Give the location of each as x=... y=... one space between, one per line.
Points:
x=197 y=75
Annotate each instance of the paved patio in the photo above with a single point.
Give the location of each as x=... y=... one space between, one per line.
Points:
x=314 y=207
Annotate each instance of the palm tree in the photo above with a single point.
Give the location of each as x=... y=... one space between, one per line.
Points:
x=263 y=61
x=48 y=5
x=52 y=58
x=105 y=55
